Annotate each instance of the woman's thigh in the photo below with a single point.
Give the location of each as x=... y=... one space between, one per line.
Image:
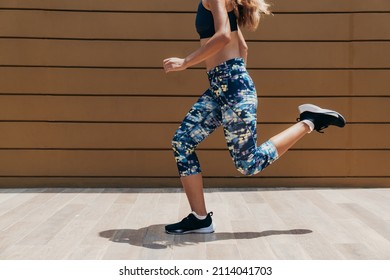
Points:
x=201 y=120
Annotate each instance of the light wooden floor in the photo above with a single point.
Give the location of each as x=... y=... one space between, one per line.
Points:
x=251 y=224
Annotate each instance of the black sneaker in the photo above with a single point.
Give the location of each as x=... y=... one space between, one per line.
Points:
x=191 y=224
x=321 y=118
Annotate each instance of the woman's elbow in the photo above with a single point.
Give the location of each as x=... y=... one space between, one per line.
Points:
x=225 y=38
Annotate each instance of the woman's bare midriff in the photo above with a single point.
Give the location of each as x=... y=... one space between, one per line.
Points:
x=231 y=50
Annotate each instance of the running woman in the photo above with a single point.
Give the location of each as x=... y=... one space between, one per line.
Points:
x=230 y=101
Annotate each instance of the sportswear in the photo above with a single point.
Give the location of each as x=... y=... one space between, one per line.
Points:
x=191 y=224
x=321 y=118
x=205 y=23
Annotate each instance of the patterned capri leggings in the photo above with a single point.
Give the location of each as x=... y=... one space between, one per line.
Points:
x=231 y=101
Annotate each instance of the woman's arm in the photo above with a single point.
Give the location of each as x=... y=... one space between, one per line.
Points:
x=213 y=45
x=242 y=45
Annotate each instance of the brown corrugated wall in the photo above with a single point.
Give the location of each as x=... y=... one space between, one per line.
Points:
x=84 y=101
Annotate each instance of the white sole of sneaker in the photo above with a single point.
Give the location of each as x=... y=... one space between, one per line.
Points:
x=209 y=229
x=315 y=109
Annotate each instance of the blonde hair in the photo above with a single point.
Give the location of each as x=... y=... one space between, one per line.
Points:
x=248 y=12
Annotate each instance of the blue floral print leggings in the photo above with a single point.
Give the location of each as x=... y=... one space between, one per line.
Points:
x=231 y=101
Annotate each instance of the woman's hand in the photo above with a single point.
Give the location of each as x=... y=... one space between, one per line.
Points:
x=174 y=64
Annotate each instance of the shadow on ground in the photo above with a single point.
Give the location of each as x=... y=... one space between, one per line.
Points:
x=154 y=236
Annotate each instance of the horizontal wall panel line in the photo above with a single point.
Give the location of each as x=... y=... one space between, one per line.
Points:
x=259 y=177
x=195 y=68
x=206 y=177
x=111 y=11
x=181 y=6
x=128 y=40
x=102 y=122
x=151 y=95
x=203 y=69
x=186 y=40
x=331 y=12
x=192 y=11
x=89 y=67
x=169 y=149
x=191 y=68
x=173 y=184
x=161 y=122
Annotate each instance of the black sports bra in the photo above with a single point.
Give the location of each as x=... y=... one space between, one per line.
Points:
x=205 y=23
